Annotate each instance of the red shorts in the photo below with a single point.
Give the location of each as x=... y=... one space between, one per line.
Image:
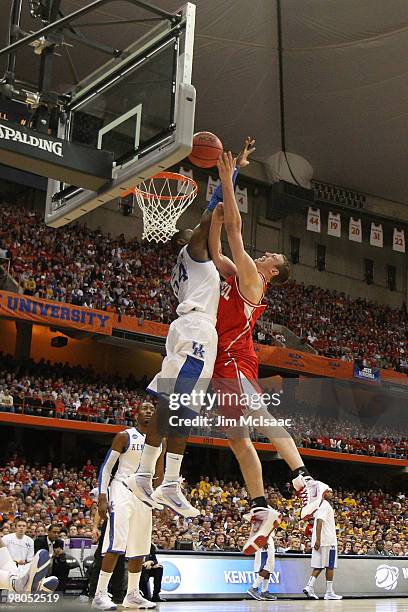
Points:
x=234 y=379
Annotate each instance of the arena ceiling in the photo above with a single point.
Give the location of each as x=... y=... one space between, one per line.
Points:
x=345 y=77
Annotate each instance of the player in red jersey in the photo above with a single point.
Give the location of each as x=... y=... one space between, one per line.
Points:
x=236 y=367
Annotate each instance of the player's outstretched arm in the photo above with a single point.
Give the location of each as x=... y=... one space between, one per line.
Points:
x=198 y=245
x=118 y=446
x=250 y=283
x=224 y=265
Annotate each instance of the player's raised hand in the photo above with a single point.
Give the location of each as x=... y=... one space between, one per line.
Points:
x=247 y=150
x=226 y=166
x=218 y=214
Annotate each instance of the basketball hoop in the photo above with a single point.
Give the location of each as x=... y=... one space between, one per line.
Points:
x=162 y=199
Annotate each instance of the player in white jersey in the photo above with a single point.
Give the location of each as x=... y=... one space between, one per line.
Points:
x=191 y=350
x=324 y=549
x=129 y=528
x=32 y=577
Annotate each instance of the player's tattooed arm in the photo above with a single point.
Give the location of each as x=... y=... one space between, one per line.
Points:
x=224 y=265
x=118 y=446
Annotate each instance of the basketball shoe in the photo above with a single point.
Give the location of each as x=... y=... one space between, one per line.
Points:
x=311 y=493
x=136 y=600
x=254 y=593
x=31 y=580
x=103 y=601
x=309 y=592
x=332 y=596
x=171 y=495
x=142 y=486
x=264 y=521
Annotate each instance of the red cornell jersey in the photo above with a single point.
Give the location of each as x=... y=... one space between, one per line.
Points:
x=236 y=320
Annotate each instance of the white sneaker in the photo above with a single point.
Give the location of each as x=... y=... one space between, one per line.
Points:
x=48 y=585
x=142 y=486
x=30 y=581
x=311 y=493
x=333 y=596
x=102 y=601
x=136 y=600
x=171 y=495
x=309 y=592
x=264 y=521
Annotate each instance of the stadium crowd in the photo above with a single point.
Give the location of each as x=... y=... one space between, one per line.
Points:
x=62 y=391
x=90 y=268
x=62 y=496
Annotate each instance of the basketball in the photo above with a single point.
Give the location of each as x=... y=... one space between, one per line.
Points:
x=207 y=148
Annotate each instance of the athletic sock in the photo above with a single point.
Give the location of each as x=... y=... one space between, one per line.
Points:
x=329 y=586
x=103 y=582
x=257 y=582
x=6 y=562
x=259 y=502
x=265 y=585
x=149 y=459
x=301 y=471
x=133 y=582
x=173 y=466
x=311 y=582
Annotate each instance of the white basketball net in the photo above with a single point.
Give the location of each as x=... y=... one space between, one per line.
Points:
x=162 y=199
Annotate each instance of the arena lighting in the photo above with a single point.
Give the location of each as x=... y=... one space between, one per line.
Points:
x=324 y=192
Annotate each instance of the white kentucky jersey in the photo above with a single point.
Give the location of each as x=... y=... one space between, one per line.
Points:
x=129 y=460
x=196 y=285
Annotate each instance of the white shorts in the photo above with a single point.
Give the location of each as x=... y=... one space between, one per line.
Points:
x=265 y=560
x=325 y=557
x=191 y=350
x=129 y=528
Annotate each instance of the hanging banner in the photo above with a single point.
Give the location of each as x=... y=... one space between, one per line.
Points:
x=212 y=184
x=56 y=314
x=313 y=220
x=181 y=186
x=355 y=233
x=376 y=235
x=398 y=240
x=241 y=196
x=334 y=224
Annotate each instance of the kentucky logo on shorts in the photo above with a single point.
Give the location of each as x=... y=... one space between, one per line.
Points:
x=198 y=350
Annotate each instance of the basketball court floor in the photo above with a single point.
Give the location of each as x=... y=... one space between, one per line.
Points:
x=299 y=605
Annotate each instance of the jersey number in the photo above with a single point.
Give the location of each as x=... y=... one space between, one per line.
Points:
x=225 y=290
x=179 y=275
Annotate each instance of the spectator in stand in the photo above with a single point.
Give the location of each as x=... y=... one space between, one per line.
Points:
x=378 y=549
x=20 y=545
x=76 y=265
x=55 y=547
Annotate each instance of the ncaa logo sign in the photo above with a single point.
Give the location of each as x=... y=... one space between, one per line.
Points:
x=386 y=577
x=171 y=576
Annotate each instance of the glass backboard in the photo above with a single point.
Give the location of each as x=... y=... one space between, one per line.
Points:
x=141 y=109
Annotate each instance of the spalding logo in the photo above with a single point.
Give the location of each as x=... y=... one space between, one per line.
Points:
x=171 y=576
x=386 y=577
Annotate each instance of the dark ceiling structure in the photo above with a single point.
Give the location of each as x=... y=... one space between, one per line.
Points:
x=337 y=88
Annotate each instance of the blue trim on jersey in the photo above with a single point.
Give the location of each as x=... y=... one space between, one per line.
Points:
x=217 y=195
x=128 y=442
x=116 y=552
x=332 y=558
x=264 y=558
x=111 y=530
x=101 y=470
x=189 y=374
x=136 y=557
x=197 y=260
